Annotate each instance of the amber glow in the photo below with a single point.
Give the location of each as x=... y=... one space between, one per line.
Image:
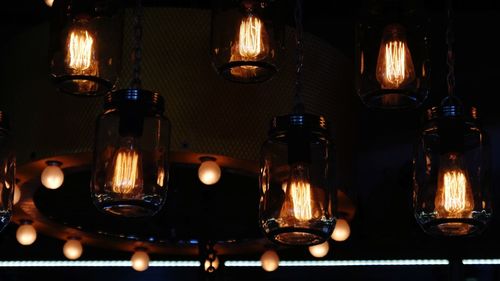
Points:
x=394 y=64
x=251 y=44
x=454 y=197
x=299 y=200
x=81 y=57
x=126 y=177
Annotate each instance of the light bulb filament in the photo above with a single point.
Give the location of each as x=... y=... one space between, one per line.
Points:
x=301 y=200
x=395 y=62
x=454 y=195
x=80 y=50
x=126 y=172
x=250 y=38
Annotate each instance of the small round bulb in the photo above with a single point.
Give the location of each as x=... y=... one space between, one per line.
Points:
x=270 y=260
x=320 y=250
x=52 y=175
x=341 y=231
x=209 y=172
x=26 y=234
x=17 y=194
x=73 y=249
x=49 y=2
x=140 y=260
x=215 y=264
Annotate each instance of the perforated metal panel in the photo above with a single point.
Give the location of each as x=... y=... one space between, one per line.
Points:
x=208 y=114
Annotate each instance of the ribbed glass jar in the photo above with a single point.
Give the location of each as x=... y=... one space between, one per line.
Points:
x=296 y=181
x=130 y=167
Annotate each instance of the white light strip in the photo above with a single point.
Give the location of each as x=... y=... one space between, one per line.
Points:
x=103 y=263
x=480 y=261
x=342 y=263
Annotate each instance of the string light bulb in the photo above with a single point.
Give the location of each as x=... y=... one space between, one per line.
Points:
x=73 y=249
x=52 y=176
x=211 y=264
x=270 y=260
x=17 y=194
x=140 y=260
x=26 y=233
x=320 y=250
x=341 y=231
x=209 y=171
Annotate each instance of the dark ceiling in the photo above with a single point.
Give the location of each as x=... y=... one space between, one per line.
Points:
x=383 y=226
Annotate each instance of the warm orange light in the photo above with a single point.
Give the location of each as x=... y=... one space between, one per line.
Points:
x=394 y=64
x=320 y=250
x=341 y=231
x=211 y=265
x=454 y=198
x=126 y=176
x=81 y=57
x=270 y=260
x=298 y=202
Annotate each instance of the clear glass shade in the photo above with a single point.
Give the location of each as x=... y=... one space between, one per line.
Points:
x=391 y=58
x=86 y=46
x=451 y=174
x=130 y=172
x=247 y=40
x=296 y=181
x=7 y=173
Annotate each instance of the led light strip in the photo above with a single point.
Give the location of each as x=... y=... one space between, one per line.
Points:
x=103 y=263
x=480 y=261
x=342 y=263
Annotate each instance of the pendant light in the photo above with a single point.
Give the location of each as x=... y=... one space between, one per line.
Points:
x=7 y=172
x=391 y=57
x=295 y=172
x=130 y=171
x=451 y=165
x=86 y=42
x=247 y=39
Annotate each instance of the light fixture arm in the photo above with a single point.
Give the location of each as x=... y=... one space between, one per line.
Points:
x=298 y=106
x=137 y=52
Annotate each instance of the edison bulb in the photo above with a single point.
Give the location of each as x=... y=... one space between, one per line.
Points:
x=140 y=260
x=26 y=234
x=320 y=250
x=209 y=172
x=270 y=260
x=454 y=198
x=125 y=175
x=341 y=231
x=52 y=176
x=17 y=194
x=298 y=203
x=394 y=64
x=73 y=249
x=215 y=264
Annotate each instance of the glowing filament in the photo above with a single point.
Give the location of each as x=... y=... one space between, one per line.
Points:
x=454 y=195
x=395 y=62
x=301 y=200
x=126 y=174
x=250 y=38
x=80 y=51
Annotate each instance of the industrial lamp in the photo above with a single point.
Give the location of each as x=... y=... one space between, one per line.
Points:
x=86 y=42
x=295 y=173
x=451 y=166
x=7 y=172
x=391 y=56
x=130 y=171
x=247 y=39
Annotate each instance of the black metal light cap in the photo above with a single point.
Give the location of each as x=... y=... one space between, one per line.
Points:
x=314 y=123
x=150 y=101
x=450 y=107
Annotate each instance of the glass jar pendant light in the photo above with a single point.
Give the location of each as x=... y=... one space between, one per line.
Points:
x=7 y=172
x=451 y=165
x=86 y=42
x=295 y=173
x=247 y=40
x=391 y=57
x=130 y=171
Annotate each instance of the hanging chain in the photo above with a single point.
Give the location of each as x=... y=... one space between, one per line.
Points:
x=298 y=106
x=450 y=58
x=137 y=53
